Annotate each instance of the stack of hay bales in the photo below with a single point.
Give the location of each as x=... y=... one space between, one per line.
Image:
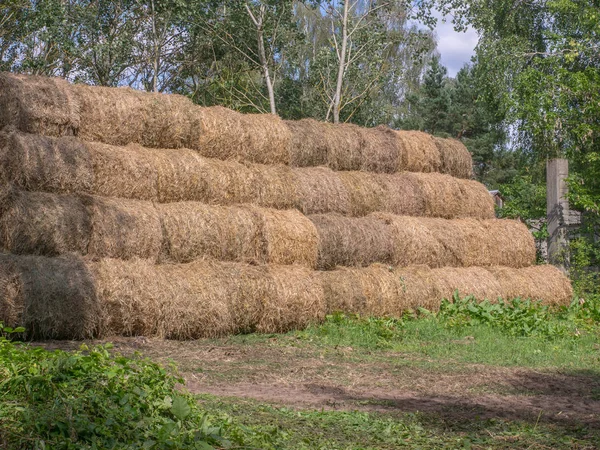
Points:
x=131 y=213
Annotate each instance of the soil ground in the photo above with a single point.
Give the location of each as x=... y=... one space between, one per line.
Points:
x=281 y=370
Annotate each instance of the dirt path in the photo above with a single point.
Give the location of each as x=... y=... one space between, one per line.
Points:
x=283 y=372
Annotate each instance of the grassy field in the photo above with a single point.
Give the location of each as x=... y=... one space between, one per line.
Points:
x=472 y=376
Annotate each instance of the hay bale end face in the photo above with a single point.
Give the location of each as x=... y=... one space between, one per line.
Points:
x=455 y=158
x=53 y=298
x=39 y=163
x=38 y=223
x=38 y=105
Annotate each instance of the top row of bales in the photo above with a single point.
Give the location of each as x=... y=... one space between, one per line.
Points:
x=53 y=107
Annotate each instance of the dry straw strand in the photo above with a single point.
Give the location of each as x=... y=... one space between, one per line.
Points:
x=53 y=298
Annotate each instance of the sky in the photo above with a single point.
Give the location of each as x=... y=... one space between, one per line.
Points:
x=455 y=48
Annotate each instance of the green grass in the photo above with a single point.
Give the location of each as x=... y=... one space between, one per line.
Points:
x=522 y=334
x=95 y=398
x=330 y=430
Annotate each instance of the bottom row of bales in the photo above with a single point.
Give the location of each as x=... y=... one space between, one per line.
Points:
x=74 y=298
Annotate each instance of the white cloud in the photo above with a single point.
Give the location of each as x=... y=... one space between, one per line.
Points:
x=455 y=48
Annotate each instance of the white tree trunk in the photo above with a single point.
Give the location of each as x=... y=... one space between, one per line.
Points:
x=262 y=54
x=337 y=98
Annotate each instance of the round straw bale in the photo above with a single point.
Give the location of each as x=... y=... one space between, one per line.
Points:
x=544 y=282
x=121 y=116
x=344 y=146
x=267 y=139
x=455 y=158
x=381 y=150
x=419 y=240
x=475 y=281
x=289 y=237
x=38 y=105
x=223 y=133
x=496 y=242
x=250 y=287
x=128 y=172
x=418 y=152
x=271 y=186
x=193 y=230
x=320 y=190
x=180 y=175
x=343 y=291
x=295 y=300
x=40 y=163
x=402 y=194
x=307 y=143
x=124 y=229
x=258 y=138
x=418 y=288
x=185 y=301
x=53 y=298
x=365 y=191
x=385 y=291
x=227 y=182
x=43 y=224
x=450 y=197
x=349 y=241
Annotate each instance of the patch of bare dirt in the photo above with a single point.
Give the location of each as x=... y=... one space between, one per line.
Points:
x=279 y=372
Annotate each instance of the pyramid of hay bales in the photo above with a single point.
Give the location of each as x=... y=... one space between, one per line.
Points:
x=132 y=213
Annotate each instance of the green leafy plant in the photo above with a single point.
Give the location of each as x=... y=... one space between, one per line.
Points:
x=94 y=399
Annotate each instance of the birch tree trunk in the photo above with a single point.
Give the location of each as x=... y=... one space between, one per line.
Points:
x=337 y=98
x=262 y=54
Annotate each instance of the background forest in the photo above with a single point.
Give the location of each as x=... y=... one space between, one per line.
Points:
x=532 y=90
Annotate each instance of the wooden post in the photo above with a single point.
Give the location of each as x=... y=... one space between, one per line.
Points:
x=557 y=211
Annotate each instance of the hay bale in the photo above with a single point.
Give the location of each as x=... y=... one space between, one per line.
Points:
x=456 y=160
x=40 y=163
x=419 y=240
x=267 y=139
x=544 y=282
x=497 y=242
x=365 y=192
x=121 y=116
x=307 y=145
x=39 y=223
x=450 y=197
x=344 y=146
x=185 y=301
x=53 y=298
x=401 y=194
x=180 y=175
x=124 y=229
x=343 y=291
x=288 y=237
x=381 y=150
x=459 y=242
x=320 y=190
x=380 y=290
x=193 y=230
x=270 y=186
x=295 y=300
x=418 y=153
x=258 y=138
x=475 y=281
x=38 y=105
x=349 y=241
x=237 y=233
x=43 y=224
x=128 y=172
x=377 y=290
